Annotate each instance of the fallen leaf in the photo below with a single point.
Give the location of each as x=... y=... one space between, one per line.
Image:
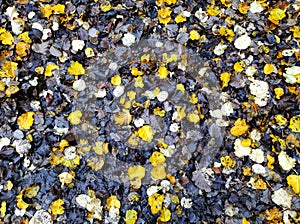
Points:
x=240 y=127
x=145 y=133
x=74 y=117
x=131 y=217
x=123 y=117
x=294 y=182
x=112 y=201
x=76 y=68
x=25 y=121
x=57 y=207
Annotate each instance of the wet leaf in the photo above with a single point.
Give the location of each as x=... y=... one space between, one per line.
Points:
x=155 y=201
x=294 y=182
x=145 y=133
x=295 y=124
x=49 y=68
x=113 y=201
x=123 y=117
x=57 y=207
x=74 y=117
x=240 y=127
x=25 y=121
x=32 y=191
x=165 y=215
x=131 y=217
x=76 y=68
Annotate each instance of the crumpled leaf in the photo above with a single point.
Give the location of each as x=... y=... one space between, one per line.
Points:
x=123 y=117
x=165 y=215
x=57 y=207
x=75 y=117
x=49 y=68
x=240 y=127
x=113 y=201
x=294 y=182
x=295 y=124
x=76 y=68
x=8 y=69
x=6 y=37
x=163 y=72
x=131 y=217
x=32 y=191
x=281 y=197
x=145 y=133
x=155 y=201
x=277 y=14
x=157 y=158
x=25 y=121
x=136 y=172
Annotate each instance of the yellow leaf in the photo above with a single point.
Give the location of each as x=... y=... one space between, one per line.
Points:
x=180 y=19
x=57 y=207
x=74 y=117
x=25 y=121
x=49 y=68
x=136 y=172
x=165 y=214
x=271 y=160
x=76 y=68
x=277 y=14
x=32 y=191
x=193 y=98
x=7 y=38
x=123 y=117
x=181 y=112
x=101 y=148
x=280 y=120
x=295 y=123
x=3 y=209
x=131 y=217
x=11 y=90
x=113 y=201
x=159 y=112
x=193 y=117
x=116 y=80
x=294 y=182
x=296 y=31
x=2 y=86
x=139 y=82
x=63 y=144
x=278 y=92
x=226 y=3
x=155 y=201
x=105 y=6
x=133 y=139
x=157 y=158
x=25 y=37
x=136 y=72
x=21 y=48
x=225 y=78
x=260 y=184
x=145 y=133
x=194 y=35
x=59 y=8
x=89 y=52
x=73 y=163
x=240 y=127
x=9 y=185
x=131 y=95
x=164 y=15
x=163 y=72
x=244 y=221
x=8 y=69
x=159 y=172
x=213 y=10
x=180 y=87
x=227 y=161
x=239 y=66
x=20 y=203
x=268 y=69
x=96 y=163
x=244 y=7
x=46 y=10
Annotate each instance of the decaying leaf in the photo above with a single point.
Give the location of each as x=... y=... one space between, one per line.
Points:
x=57 y=207
x=294 y=182
x=123 y=117
x=145 y=133
x=25 y=121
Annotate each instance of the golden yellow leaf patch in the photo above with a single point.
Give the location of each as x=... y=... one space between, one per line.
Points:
x=239 y=66
x=113 y=201
x=48 y=10
x=74 y=117
x=136 y=173
x=25 y=121
x=146 y=133
x=227 y=161
x=49 y=68
x=76 y=68
x=164 y=15
x=22 y=48
x=294 y=182
x=280 y=120
x=295 y=123
x=136 y=72
x=244 y=7
x=105 y=6
x=155 y=201
x=163 y=72
x=57 y=207
x=180 y=19
x=6 y=37
x=116 y=80
x=225 y=78
x=131 y=217
x=277 y=14
x=65 y=178
x=194 y=35
x=165 y=215
x=278 y=92
x=32 y=191
x=213 y=10
x=3 y=209
x=157 y=158
x=8 y=69
x=240 y=127
x=268 y=69
x=123 y=117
